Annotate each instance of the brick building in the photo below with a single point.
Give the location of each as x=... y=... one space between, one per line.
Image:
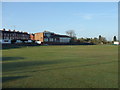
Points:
x=8 y=36
x=47 y=37
x=32 y=36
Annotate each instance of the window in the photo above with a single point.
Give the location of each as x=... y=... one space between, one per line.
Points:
x=65 y=40
x=5 y=40
x=47 y=34
x=46 y=39
x=51 y=39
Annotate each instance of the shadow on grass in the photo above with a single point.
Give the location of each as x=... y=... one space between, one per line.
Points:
x=11 y=58
x=20 y=45
x=5 y=79
x=15 y=47
x=19 y=66
x=24 y=64
x=67 y=67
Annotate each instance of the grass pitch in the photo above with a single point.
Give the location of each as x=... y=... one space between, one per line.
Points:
x=94 y=66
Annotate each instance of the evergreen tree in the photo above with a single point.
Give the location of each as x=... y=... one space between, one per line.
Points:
x=100 y=37
x=114 y=38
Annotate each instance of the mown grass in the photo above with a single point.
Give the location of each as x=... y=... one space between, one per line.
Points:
x=94 y=66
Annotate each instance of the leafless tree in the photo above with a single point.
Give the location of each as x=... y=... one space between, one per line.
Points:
x=71 y=33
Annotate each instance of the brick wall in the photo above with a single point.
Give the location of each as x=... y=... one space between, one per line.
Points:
x=39 y=36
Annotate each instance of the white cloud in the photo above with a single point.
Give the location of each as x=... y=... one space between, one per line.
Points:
x=87 y=16
x=90 y=16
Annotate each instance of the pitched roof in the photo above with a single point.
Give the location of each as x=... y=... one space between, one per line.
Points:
x=57 y=35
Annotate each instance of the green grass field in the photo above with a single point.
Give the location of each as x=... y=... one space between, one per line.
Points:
x=94 y=66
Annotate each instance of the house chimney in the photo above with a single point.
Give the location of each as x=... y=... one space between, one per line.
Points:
x=25 y=32
x=3 y=29
x=9 y=30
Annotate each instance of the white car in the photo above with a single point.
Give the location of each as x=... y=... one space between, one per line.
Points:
x=29 y=41
x=116 y=43
x=5 y=41
x=18 y=41
x=38 y=42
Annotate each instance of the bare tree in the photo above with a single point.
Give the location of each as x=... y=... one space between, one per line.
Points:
x=71 y=33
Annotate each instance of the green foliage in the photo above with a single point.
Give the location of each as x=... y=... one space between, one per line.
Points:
x=100 y=40
x=73 y=39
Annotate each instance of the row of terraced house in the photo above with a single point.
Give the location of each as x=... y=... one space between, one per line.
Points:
x=46 y=37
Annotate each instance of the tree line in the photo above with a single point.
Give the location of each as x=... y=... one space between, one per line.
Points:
x=95 y=40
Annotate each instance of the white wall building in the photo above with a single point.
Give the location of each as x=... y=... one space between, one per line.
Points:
x=116 y=43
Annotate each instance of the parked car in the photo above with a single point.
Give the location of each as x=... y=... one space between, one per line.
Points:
x=29 y=41
x=116 y=43
x=18 y=41
x=38 y=42
x=5 y=41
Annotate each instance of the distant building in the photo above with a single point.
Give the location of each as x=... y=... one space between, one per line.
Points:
x=116 y=43
x=8 y=36
x=47 y=37
x=32 y=36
